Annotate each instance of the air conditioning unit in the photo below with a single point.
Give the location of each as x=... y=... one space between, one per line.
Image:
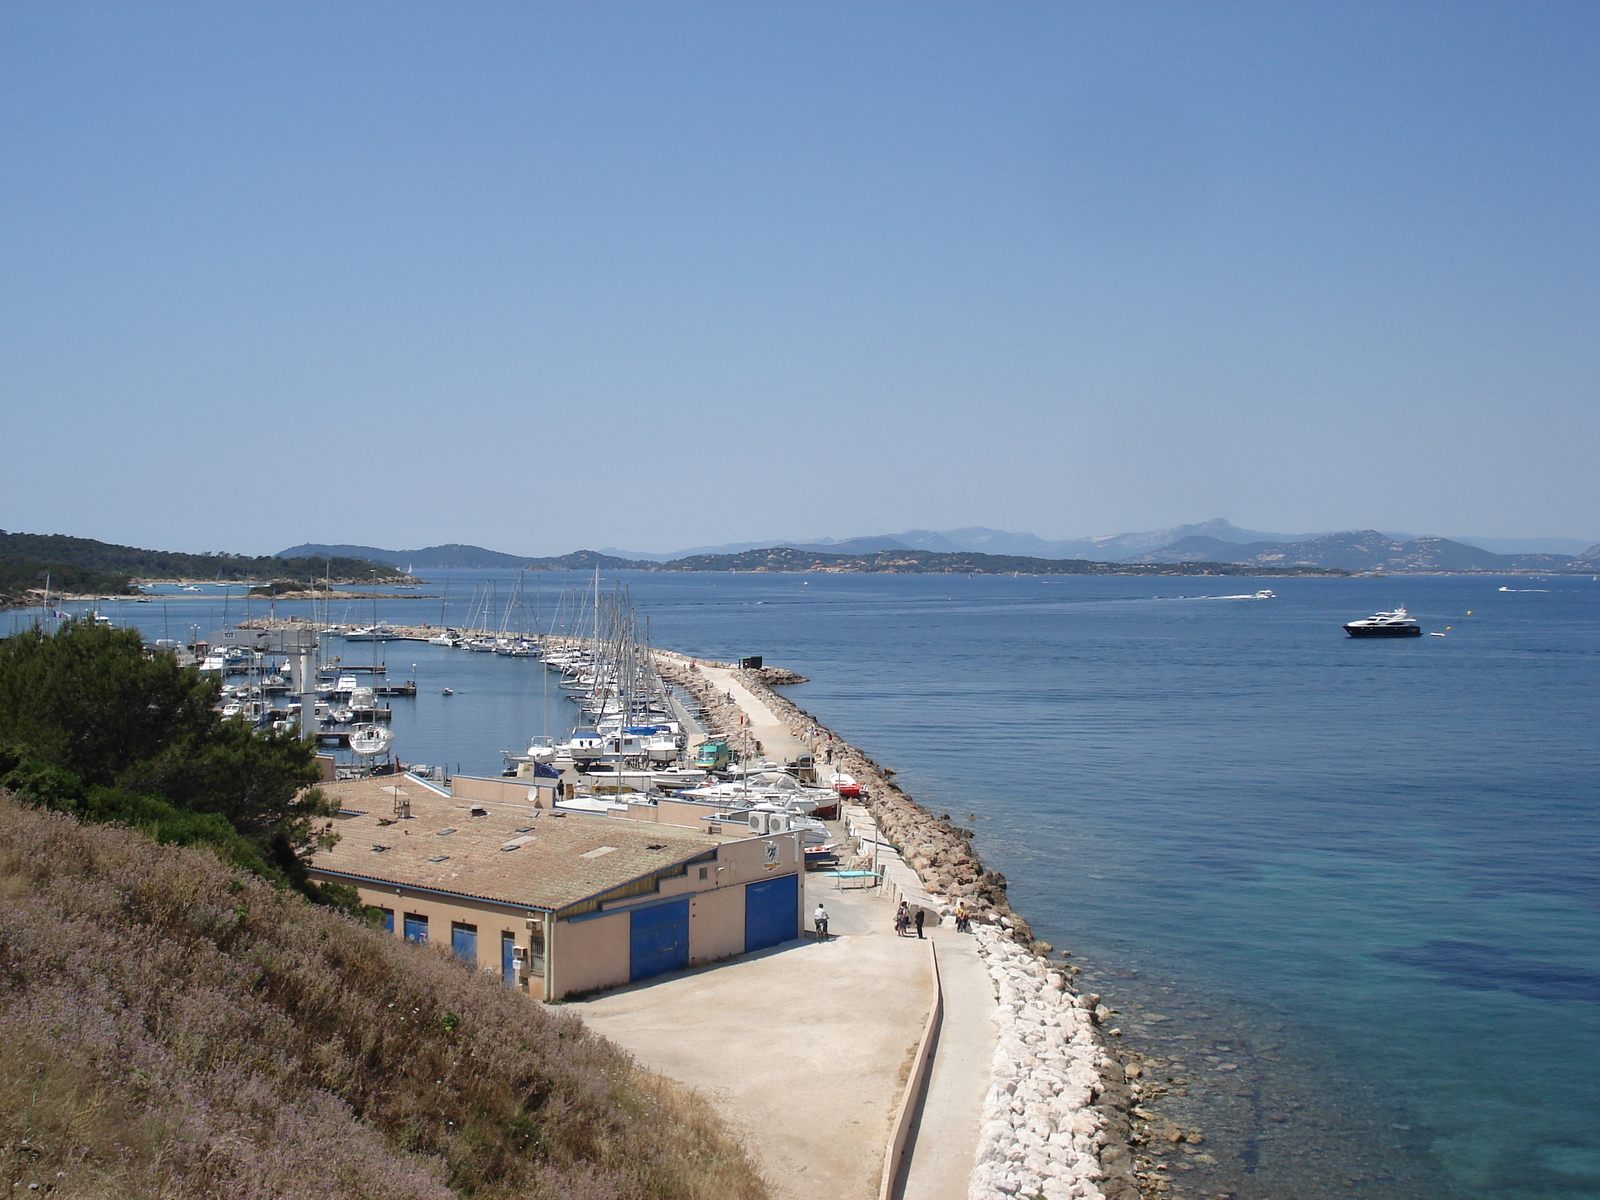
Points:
x=519 y=954
x=758 y=822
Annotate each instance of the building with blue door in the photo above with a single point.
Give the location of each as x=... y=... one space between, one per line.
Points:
x=575 y=903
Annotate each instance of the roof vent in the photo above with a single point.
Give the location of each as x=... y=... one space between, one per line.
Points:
x=379 y=849
x=478 y=810
x=656 y=846
x=597 y=852
x=444 y=832
x=439 y=858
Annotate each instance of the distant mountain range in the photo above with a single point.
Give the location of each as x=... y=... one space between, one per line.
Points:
x=1367 y=550
x=904 y=562
x=1210 y=542
x=1120 y=547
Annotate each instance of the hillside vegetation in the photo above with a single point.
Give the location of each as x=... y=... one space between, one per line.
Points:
x=84 y=565
x=171 y=1027
x=178 y=1019
x=92 y=725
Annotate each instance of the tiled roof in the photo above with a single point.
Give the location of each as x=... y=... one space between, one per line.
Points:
x=507 y=854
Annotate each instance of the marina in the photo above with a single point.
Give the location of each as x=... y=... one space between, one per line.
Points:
x=1168 y=791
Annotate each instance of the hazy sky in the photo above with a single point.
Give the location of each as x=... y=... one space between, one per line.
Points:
x=542 y=276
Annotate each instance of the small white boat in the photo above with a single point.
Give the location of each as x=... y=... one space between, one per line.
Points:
x=372 y=633
x=671 y=778
x=370 y=741
x=1266 y=594
x=845 y=785
x=541 y=750
x=447 y=691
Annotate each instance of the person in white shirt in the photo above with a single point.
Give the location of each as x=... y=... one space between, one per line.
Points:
x=820 y=920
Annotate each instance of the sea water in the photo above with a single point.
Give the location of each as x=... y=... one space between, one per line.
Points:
x=1345 y=894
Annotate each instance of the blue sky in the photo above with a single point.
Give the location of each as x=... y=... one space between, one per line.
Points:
x=542 y=276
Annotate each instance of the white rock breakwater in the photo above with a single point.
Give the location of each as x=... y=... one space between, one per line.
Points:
x=1053 y=1121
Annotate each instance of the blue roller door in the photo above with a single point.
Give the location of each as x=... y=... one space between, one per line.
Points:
x=659 y=939
x=771 y=912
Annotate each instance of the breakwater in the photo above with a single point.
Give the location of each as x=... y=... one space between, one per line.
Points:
x=1063 y=1115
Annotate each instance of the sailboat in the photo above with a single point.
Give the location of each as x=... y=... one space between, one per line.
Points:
x=370 y=741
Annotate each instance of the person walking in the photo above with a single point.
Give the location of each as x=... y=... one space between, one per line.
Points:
x=921 y=913
x=902 y=918
x=820 y=920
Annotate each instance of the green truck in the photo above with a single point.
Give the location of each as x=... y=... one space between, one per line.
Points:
x=714 y=755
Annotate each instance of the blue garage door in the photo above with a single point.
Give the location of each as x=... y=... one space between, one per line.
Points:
x=464 y=943
x=660 y=939
x=771 y=912
x=508 y=959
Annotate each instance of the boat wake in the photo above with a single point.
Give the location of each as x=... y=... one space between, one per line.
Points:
x=1506 y=589
x=1262 y=595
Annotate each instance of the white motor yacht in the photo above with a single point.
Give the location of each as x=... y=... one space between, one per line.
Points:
x=1398 y=623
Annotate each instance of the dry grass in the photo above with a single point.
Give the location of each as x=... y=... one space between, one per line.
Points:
x=170 y=1027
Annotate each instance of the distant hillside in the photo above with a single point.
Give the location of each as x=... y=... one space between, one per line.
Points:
x=1205 y=547
x=172 y=1027
x=85 y=565
x=1367 y=550
x=901 y=562
x=429 y=557
x=981 y=540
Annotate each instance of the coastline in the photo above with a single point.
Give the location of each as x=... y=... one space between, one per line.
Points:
x=1061 y=1114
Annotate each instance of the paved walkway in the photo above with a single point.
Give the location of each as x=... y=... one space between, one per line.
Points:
x=945 y=1139
x=777 y=743
x=803 y=1049
x=809 y=1060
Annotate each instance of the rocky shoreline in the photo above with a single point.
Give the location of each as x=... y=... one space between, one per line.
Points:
x=1063 y=1117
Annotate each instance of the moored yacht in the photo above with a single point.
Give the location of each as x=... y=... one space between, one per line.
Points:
x=1398 y=623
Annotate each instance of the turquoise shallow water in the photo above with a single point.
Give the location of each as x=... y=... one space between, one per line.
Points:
x=1349 y=891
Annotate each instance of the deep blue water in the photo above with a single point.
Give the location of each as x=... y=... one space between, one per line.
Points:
x=1365 y=874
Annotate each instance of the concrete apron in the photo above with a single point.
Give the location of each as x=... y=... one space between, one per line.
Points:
x=802 y=1049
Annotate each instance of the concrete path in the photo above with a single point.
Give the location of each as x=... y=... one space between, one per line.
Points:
x=777 y=743
x=817 y=1120
x=946 y=1137
x=803 y=1049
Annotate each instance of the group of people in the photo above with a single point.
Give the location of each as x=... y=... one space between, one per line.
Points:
x=904 y=919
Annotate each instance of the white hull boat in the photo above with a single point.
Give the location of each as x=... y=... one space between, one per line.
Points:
x=370 y=741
